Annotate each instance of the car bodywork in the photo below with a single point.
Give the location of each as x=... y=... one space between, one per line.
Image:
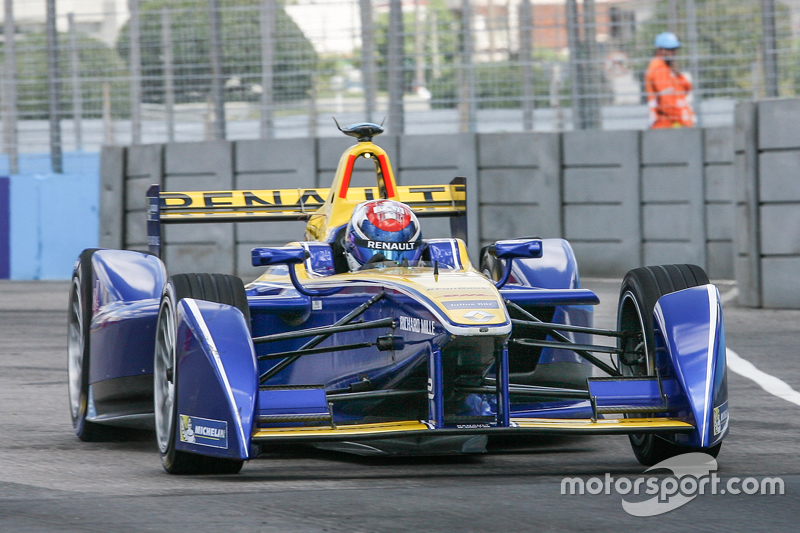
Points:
x=431 y=358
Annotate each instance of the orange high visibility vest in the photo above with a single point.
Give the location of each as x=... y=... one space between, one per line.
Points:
x=666 y=96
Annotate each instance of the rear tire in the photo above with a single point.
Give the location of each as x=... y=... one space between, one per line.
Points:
x=219 y=288
x=491 y=267
x=641 y=289
x=79 y=321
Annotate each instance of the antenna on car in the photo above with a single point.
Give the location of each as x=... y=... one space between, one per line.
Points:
x=363 y=131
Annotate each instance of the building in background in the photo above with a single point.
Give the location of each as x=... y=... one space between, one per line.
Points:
x=99 y=19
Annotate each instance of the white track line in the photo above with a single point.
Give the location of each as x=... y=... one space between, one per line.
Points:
x=769 y=383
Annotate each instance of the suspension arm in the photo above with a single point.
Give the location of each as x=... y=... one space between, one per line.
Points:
x=611 y=371
x=349 y=317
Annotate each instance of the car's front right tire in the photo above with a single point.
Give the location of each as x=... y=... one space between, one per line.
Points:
x=218 y=288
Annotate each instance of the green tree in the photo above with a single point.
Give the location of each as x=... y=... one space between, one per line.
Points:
x=448 y=35
x=293 y=64
x=97 y=65
x=498 y=85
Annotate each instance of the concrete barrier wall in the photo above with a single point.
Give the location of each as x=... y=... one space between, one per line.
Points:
x=768 y=203
x=718 y=174
x=623 y=199
x=46 y=219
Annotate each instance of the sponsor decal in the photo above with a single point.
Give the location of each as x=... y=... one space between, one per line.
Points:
x=473 y=426
x=204 y=431
x=471 y=304
x=720 y=418
x=305 y=198
x=417 y=325
x=478 y=316
x=463 y=295
x=316 y=305
x=390 y=246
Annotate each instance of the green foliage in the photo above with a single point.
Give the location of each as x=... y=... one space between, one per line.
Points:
x=447 y=30
x=294 y=59
x=97 y=64
x=498 y=85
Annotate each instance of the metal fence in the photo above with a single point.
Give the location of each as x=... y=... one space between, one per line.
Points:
x=82 y=73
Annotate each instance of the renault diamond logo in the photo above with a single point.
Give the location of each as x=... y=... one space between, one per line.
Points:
x=478 y=316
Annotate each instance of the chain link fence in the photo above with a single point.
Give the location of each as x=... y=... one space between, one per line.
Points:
x=78 y=74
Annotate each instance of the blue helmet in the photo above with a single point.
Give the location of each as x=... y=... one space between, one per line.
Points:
x=383 y=227
x=667 y=40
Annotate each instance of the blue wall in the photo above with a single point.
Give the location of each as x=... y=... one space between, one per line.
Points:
x=52 y=216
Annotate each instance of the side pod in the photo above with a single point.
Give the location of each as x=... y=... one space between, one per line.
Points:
x=216 y=380
x=689 y=325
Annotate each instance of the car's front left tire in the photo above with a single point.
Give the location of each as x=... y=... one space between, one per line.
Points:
x=641 y=288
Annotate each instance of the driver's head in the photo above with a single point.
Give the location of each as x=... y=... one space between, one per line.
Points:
x=384 y=227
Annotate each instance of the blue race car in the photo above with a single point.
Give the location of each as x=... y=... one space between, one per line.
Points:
x=370 y=339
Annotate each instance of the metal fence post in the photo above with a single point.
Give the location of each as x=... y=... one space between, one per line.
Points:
x=592 y=85
x=672 y=16
x=136 y=73
x=53 y=89
x=395 y=74
x=694 y=61
x=108 y=122
x=313 y=124
x=368 y=57
x=169 y=81
x=10 y=90
x=215 y=51
x=75 y=73
x=466 y=95
x=419 y=45
x=576 y=81
x=526 y=58
x=267 y=25
x=555 y=95
x=768 y=47
x=436 y=59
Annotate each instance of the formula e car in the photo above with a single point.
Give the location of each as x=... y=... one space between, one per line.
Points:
x=424 y=358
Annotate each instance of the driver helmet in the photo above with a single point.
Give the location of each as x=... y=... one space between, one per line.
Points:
x=384 y=227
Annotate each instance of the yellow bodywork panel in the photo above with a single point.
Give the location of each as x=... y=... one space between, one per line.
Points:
x=614 y=424
x=611 y=426
x=354 y=429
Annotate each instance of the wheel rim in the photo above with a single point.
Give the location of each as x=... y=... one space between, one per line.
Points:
x=637 y=439
x=638 y=370
x=164 y=388
x=75 y=348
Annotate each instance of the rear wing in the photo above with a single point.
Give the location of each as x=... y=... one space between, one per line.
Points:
x=196 y=207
